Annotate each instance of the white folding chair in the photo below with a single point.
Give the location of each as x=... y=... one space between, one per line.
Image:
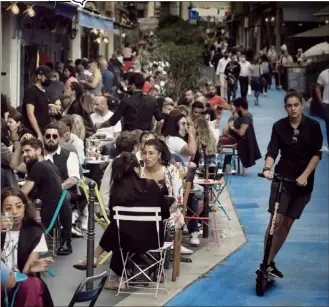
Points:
x=157 y=256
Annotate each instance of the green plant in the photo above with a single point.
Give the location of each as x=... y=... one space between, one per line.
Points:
x=185 y=71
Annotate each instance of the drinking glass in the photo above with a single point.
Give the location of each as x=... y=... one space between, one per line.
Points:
x=7 y=218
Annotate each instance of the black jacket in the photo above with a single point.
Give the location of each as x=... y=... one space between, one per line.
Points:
x=137 y=112
x=248 y=148
x=29 y=237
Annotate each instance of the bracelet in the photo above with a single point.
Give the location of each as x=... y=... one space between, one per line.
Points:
x=15 y=140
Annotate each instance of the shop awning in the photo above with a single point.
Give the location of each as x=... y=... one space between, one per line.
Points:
x=316 y=32
x=322 y=12
x=94 y=21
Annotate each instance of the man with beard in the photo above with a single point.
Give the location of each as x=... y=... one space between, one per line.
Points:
x=138 y=110
x=36 y=103
x=43 y=182
x=69 y=170
x=216 y=101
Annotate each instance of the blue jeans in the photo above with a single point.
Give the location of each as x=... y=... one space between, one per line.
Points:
x=231 y=91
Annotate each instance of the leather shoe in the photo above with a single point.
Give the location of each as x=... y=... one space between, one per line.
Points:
x=65 y=249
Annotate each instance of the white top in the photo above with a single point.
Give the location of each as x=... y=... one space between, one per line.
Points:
x=105 y=187
x=175 y=145
x=72 y=163
x=79 y=147
x=323 y=80
x=245 y=67
x=222 y=65
x=100 y=119
x=9 y=254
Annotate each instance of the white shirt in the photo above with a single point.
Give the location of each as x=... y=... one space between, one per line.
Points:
x=245 y=67
x=100 y=119
x=105 y=187
x=323 y=80
x=221 y=65
x=9 y=254
x=175 y=145
x=72 y=163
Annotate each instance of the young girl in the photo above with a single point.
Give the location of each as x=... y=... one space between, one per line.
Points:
x=22 y=241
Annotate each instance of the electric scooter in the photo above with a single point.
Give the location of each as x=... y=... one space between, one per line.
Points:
x=264 y=280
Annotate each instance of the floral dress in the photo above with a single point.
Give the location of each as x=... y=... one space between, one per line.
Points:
x=174 y=185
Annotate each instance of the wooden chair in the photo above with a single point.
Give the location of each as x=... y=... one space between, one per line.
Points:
x=179 y=234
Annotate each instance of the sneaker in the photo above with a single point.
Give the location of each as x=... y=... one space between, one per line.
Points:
x=184 y=250
x=272 y=270
x=194 y=240
x=75 y=216
x=265 y=94
x=76 y=232
x=84 y=223
x=324 y=148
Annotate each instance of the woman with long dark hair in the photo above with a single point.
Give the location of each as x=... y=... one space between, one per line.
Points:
x=129 y=190
x=70 y=75
x=15 y=125
x=22 y=241
x=180 y=137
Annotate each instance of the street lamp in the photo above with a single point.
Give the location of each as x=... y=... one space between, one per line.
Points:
x=30 y=11
x=272 y=19
x=266 y=19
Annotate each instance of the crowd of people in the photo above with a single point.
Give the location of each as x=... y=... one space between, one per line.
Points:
x=150 y=140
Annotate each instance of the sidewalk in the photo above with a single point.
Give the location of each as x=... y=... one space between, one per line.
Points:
x=303 y=259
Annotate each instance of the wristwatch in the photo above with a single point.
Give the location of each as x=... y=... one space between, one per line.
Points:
x=265 y=169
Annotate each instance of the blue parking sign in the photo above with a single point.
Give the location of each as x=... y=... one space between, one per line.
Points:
x=192 y=15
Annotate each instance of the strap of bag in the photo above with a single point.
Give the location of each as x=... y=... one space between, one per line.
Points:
x=59 y=206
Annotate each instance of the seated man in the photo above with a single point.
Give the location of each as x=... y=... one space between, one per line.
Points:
x=101 y=115
x=69 y=169
x=43 y=182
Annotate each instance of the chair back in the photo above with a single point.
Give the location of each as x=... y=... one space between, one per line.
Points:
x=138 y=214
x=91 y=296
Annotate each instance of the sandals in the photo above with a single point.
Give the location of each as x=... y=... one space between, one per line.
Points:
x=81 y=265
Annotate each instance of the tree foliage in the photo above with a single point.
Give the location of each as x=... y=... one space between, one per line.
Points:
x=181 y=45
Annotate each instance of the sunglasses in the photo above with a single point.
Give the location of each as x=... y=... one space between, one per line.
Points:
x=294 y=139
x=53 y=136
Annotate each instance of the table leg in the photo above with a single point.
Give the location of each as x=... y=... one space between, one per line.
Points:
x=206 y=211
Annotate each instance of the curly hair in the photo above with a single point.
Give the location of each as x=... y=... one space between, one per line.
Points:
x=204 y=135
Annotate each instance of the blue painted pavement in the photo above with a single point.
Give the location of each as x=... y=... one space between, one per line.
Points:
x=304 y=257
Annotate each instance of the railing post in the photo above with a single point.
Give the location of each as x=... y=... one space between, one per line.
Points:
x=91 y=234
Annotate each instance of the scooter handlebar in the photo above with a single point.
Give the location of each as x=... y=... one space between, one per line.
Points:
x=278 y=177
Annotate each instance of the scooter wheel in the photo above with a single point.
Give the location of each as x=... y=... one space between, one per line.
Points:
x=261 y=283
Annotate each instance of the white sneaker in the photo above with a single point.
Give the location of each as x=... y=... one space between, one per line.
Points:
x=75 y=216
x=194 y=240
x=84 y=223
x=324 y=148
x=184 y=250
x=76 y=233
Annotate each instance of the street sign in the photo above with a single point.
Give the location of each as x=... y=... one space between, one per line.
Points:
x=192 y=15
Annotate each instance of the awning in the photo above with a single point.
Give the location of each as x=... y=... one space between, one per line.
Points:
x=294 y=14
x=316 y=32
x=322 y=12
x=94 y=21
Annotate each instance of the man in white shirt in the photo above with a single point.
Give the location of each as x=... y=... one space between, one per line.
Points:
x=103 y=114
x=244 y=76
x=220 y=74
x=323 y=84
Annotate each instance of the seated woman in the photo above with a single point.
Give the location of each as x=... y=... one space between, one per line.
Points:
x=15 y=124
x=156 y=158
x=21 y=245
x=129 y=190
x=145 y=136
x=180 y=137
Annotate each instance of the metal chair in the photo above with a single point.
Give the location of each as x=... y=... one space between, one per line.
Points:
x=91 y=296
x=156 y=256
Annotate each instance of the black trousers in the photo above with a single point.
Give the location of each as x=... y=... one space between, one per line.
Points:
x=244 y=81
x=65 y=218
